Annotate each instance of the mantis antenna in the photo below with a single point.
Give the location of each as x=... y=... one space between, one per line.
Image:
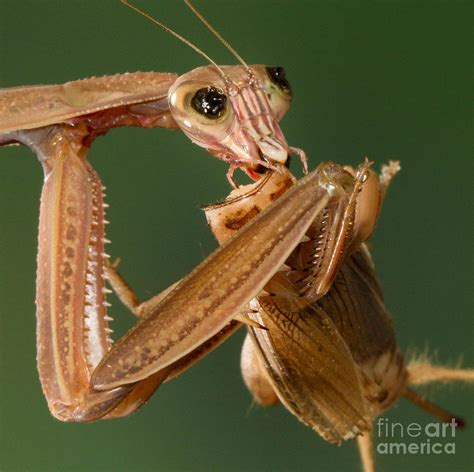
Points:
x=216 y=33
x=176 y=35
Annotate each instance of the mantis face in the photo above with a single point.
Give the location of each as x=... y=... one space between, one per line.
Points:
x=235 y=117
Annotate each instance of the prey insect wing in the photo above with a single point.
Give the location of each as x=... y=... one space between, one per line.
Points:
x=317 y=355
x=308 y=363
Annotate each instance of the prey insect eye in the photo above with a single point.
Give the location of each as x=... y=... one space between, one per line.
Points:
x=278 y=77
x=209 y=101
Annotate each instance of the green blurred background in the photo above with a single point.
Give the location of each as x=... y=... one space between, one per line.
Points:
x=387 y=79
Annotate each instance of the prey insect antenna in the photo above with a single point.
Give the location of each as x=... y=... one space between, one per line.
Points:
x=176 y=35
x=216 y=33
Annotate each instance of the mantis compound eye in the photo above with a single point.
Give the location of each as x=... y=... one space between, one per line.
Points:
x=278 y=77
x=209 y=101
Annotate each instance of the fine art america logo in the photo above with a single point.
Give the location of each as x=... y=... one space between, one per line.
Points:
x=416 y=438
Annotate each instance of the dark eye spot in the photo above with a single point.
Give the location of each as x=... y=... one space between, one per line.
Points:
x=209 y=101
x=278 y=77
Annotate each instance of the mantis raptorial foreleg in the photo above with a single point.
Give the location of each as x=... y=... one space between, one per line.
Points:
x=72 y=326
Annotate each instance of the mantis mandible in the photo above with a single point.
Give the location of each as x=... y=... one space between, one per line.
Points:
x=141 y=112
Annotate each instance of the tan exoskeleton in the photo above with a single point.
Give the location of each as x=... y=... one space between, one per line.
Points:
x=336 y=382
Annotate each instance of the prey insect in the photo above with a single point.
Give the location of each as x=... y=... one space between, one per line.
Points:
x=324 y=344
x=71 y=270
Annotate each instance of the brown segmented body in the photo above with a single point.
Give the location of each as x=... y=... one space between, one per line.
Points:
x=327 y=350
x=314 y=353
